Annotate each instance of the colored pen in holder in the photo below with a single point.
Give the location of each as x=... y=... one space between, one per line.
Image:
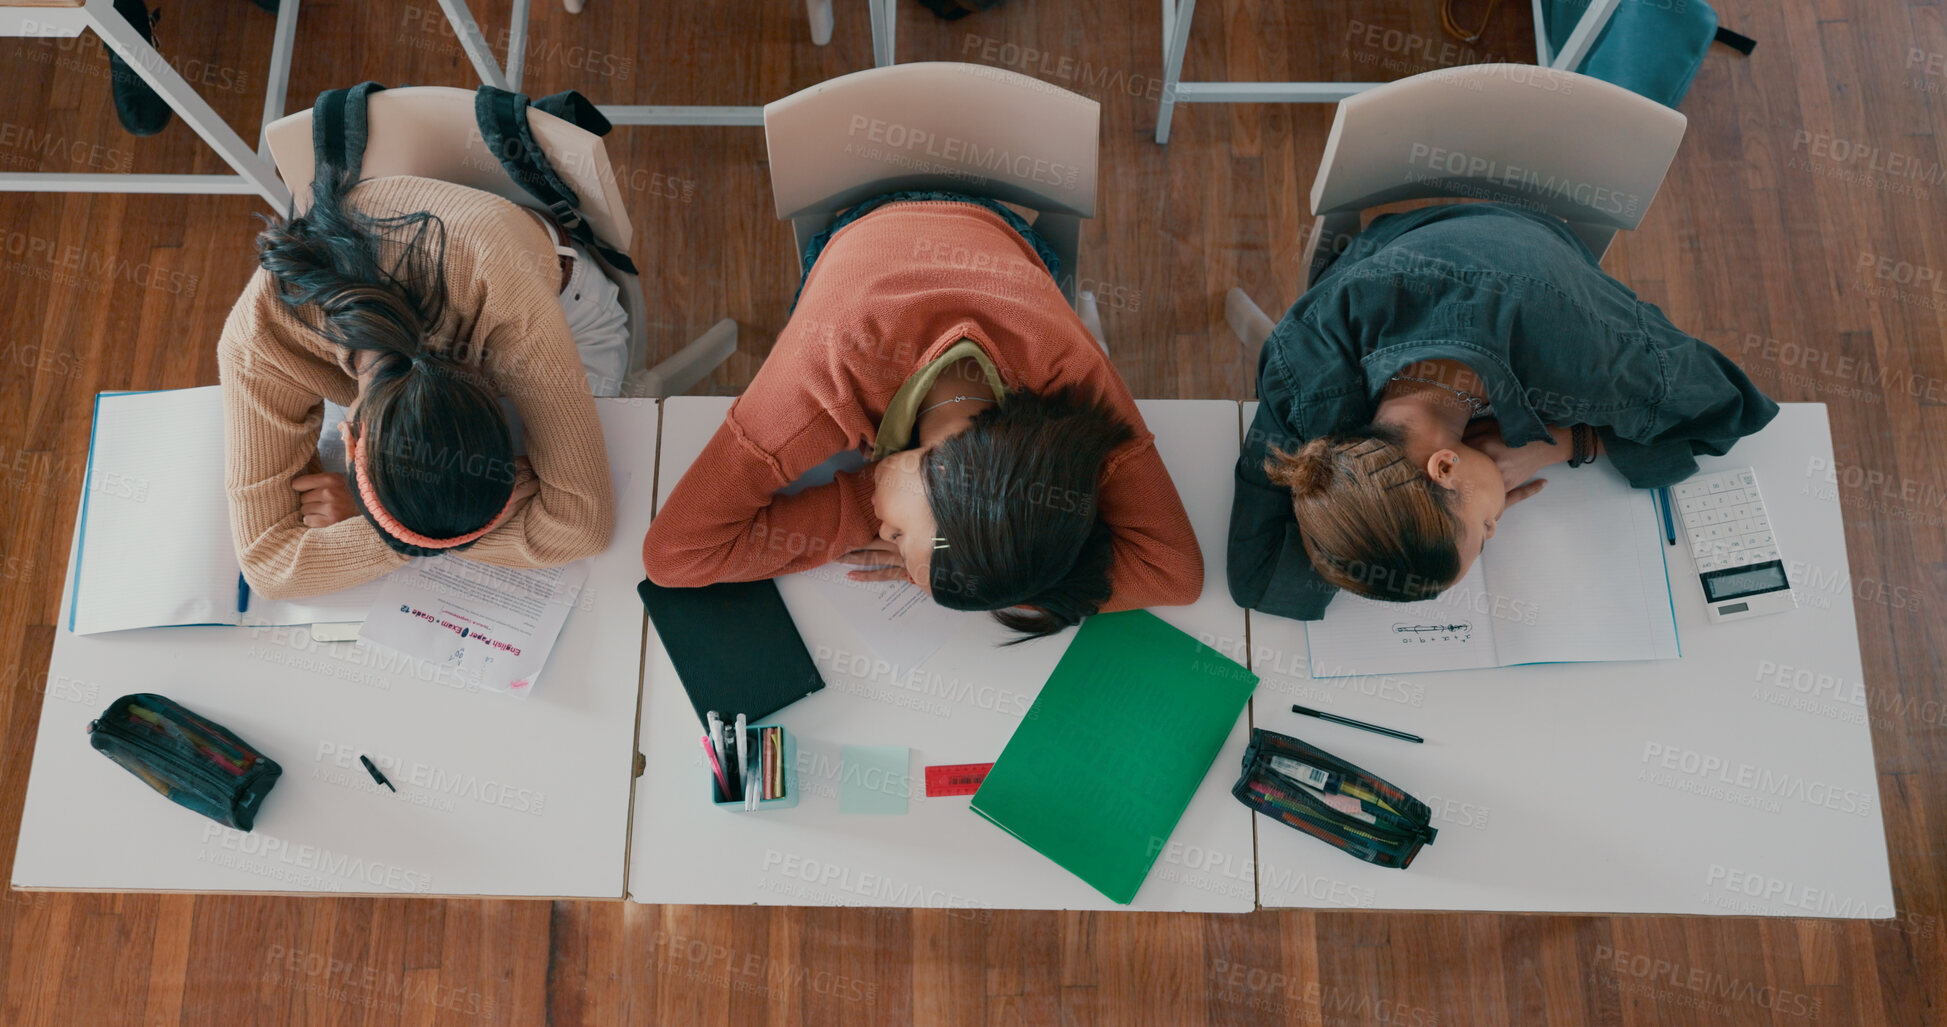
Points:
x=770 y=780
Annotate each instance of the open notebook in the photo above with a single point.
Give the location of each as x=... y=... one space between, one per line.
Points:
x=1573 y=575
x=155 y=548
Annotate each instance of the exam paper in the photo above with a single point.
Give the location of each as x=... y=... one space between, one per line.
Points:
x=895 y=619
x=491 y=626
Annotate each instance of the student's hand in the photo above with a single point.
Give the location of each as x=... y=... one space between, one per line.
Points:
x=878 y=561
x=1516 y=495
x=1519 y=464
x=323 y=499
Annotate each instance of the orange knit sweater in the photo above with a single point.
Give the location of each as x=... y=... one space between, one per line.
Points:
x=891 y=292
x=503 y=316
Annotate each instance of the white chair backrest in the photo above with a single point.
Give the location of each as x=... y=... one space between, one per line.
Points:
x=1588 y=152
x=960 y=127
x=430 y=131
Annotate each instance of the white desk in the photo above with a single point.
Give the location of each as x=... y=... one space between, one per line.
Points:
x=961 y=708
x=1549 y=782
x=497 y=796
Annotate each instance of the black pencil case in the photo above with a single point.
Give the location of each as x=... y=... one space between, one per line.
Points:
x=1309 y=789
x=193 y=762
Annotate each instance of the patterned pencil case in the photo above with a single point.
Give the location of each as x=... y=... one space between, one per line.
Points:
x=193 y=762
x=1341 y=805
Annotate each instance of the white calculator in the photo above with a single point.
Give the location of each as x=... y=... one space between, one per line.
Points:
x=1723 y=517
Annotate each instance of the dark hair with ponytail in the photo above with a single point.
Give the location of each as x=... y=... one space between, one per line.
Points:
x=438 y=451
x=1013 y=500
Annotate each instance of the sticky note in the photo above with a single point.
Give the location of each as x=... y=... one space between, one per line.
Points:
x=872 y=779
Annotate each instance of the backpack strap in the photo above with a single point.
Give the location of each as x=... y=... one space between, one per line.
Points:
x=339 y=130
x=502 y=115
x=1741 y=43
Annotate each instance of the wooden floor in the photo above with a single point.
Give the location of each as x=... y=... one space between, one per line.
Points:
x=1803 y=221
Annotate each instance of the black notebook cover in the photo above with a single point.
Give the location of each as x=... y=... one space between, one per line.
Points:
x=734 y=645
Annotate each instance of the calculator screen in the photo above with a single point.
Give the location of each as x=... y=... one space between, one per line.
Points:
x=1744 y=581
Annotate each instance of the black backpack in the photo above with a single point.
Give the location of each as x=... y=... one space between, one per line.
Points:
x=339 y=130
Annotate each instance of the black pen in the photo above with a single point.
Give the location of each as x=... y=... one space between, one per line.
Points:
x=1349 y=722
x=372 y=769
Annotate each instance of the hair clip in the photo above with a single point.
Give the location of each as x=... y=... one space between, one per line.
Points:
x=940 y=542
x=1396 y=460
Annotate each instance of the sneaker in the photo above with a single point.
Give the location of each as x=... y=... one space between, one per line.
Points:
x=141 y=111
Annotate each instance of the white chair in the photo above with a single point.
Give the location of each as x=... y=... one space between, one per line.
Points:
x=430 y=131
x=965 y=128
x=1583 y=150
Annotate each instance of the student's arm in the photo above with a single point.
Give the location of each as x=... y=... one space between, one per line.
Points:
x=270 y=428
x=573 y=514
x=1157 y=560
x=1266 y=564
x=1710 y=405
x=724 y=521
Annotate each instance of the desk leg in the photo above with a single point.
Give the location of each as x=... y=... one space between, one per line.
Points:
x=1176 y=38
x=473 y=42
x=885 y=18
x=128 y=44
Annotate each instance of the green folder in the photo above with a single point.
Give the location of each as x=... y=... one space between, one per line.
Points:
x=1108 y=757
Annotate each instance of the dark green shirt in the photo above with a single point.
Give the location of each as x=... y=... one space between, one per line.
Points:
x=1519 y=300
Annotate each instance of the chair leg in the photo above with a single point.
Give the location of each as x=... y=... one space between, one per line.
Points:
x=885 y=19
x=819 y=13
x=1091 y=317
x=1177 y=15
x=691 y=364
x=573 y=6
x=474 y=43
x=1248 y=322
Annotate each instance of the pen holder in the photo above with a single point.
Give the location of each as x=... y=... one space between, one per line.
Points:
x=754 y=749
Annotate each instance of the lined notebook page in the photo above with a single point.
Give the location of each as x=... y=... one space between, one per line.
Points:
x=155 y=543
x=1584 y=569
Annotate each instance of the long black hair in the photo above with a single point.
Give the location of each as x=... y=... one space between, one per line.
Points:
x=1014 y=504
x=439 y=452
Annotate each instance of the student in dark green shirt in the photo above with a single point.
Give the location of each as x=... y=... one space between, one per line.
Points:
x=1413 y=393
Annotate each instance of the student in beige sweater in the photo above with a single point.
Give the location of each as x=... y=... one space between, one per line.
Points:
x=418 y=304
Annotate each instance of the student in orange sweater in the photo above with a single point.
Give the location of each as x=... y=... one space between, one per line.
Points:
x=419 y=304
x=935 y=410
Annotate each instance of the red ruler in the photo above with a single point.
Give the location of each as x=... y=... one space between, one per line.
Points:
x=961 y=779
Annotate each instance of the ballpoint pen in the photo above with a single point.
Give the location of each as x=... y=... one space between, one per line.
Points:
x=716 y=768
x=743 y=761
x=1360 y=724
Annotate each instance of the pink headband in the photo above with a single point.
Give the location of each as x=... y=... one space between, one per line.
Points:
x=390 y=524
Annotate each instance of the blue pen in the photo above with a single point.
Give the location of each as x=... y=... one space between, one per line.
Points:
x=1665 y=502
x=243 y=594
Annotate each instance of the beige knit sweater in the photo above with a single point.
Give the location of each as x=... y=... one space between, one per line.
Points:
x=503 y=316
